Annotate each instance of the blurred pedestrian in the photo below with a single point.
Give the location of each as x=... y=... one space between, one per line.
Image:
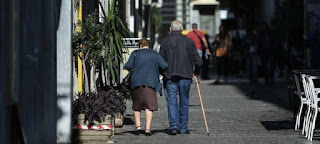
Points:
x=201 y=44
x=206 y=61
x=267 y=51
x=145 y=82
x=199 y=40
x=181 y=55
x=222 y=41
x=237 y=54
x=251 y=54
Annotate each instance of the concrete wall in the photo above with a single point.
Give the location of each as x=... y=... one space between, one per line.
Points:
x=64 y=73
x=194 y=16
x=208 y=24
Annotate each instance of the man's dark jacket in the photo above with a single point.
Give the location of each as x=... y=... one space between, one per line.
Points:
x=181 y=55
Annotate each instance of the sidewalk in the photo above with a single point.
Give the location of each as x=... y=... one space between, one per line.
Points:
x=237 y=112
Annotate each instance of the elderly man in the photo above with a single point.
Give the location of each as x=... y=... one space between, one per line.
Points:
x=181 y=55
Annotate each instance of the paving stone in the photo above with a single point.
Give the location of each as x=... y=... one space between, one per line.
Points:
x=237 y=112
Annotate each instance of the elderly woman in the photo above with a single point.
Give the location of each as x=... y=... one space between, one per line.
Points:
x=145 y=82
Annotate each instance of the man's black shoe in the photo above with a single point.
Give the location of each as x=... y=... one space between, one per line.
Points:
x=173 y=132
x=186 y=132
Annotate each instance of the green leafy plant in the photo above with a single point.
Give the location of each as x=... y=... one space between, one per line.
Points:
x=102 y=42
x=101 y=45
x=96 y=106
x=157 y=19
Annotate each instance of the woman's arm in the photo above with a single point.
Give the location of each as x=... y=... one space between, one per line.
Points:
x=161 y=62
x=130 y=62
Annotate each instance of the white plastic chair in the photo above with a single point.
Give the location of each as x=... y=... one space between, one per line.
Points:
x=306 y=118
x=303 y=101
x=313 y=92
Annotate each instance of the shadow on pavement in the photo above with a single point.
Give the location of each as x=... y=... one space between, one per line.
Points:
x=278 y=125
x=165 y=131
x=128 y=121
x=276 y=94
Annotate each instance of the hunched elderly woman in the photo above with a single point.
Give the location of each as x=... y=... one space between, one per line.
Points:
x=146 y=65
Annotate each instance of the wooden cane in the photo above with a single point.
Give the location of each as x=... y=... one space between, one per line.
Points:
x=204 y=115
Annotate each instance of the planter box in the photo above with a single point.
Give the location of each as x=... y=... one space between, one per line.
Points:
x=105 y=133
x=94 y=136
x=119 y=118
x=107 y=120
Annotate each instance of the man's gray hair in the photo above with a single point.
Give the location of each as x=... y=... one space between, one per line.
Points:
x=176 y=25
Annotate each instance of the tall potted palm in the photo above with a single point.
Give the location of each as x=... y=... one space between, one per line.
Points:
x=100 y=43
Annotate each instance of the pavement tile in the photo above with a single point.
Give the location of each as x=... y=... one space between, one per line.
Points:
x=237 y=112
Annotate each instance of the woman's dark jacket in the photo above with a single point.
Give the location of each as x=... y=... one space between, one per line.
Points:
x=146 y=68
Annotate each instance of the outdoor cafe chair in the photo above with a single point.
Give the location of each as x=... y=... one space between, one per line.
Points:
x=314 y=108
x=299 y=76
x=308 y=104
x=303 y=101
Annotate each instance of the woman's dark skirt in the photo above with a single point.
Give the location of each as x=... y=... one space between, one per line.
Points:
x=144 y=97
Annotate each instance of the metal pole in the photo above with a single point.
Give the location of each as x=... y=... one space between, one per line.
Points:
x=80 y=79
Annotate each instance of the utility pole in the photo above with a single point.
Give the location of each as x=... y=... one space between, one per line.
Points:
x=64 y=74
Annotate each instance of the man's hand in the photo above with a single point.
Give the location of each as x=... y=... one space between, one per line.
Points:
x=218 y=39
x=208 y=52
x=195 y=75
x=160 y=77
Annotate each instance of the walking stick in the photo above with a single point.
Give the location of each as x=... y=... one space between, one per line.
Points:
x=204 y=115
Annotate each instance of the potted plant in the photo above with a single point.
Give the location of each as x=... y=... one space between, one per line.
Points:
x=95 y=108
x=101 y=45
x=121 y=92
x=90 y=110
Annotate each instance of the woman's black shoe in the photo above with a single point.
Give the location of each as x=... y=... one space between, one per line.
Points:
x=148 y=133
x=138 y=130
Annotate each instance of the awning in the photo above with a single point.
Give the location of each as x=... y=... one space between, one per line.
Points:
x=204 y=2
x=205 y=7
x=185 y=32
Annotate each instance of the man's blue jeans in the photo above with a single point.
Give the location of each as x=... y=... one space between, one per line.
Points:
x=178 y=114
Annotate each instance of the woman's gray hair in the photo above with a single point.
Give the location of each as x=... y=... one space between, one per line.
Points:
x=176 y=25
